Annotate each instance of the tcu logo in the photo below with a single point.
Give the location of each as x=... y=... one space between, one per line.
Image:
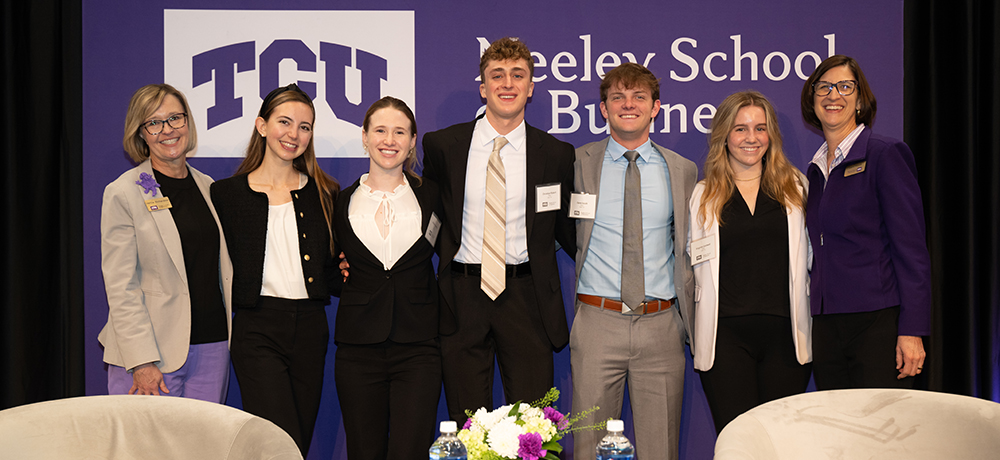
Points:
x=226 y=61
x=218 y=64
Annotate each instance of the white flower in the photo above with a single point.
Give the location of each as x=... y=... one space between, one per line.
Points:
x=502 y=438
x=486 y=420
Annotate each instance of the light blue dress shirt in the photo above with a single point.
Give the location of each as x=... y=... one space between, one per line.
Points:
x=601 y=273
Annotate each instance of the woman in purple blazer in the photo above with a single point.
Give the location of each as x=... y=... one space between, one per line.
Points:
x=870 y=290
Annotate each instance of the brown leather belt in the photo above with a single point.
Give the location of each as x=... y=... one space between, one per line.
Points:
x=649 y=306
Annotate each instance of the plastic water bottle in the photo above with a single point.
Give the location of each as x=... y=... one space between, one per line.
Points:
x=615 y=445
x=448 y=446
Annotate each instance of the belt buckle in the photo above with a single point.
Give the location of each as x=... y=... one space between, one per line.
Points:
x=637 y=312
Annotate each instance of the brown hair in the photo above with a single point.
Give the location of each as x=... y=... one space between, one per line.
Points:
x=630 y=75
x=144 y=102
x=504 y=49
x=389 y=102
x=779 y=179
x=866 y=99
x=305 y=163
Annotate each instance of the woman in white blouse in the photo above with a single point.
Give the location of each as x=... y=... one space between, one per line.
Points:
x=388 y=363
x=275 y=213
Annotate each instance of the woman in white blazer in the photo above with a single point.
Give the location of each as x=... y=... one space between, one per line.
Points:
x=166 y=266
x=752 y=337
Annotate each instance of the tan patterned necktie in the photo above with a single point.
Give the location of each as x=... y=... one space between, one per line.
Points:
x=494 y=271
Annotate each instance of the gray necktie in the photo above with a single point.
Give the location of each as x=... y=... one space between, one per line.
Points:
x=633 y=280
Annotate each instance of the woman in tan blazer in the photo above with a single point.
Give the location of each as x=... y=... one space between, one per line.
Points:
x=166 y=266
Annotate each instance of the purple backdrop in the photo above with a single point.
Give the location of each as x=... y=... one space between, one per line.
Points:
x=702 y=51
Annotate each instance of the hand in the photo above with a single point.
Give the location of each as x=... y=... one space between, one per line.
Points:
x=147 y=380
x=909 y=356
x=344 y=266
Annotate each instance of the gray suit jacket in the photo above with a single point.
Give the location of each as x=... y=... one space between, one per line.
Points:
x=149 y=317
x=683 y=176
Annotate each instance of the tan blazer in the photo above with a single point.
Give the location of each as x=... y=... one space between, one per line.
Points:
x=149 y=306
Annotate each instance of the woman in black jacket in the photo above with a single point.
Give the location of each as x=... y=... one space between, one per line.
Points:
x=388 y=364
x=275 y=213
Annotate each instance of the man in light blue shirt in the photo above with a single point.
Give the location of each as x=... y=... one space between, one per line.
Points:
x=639 y=220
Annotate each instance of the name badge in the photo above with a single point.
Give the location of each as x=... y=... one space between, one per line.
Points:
x=158 y=204
x=582 y=206
x=855 y=169
x=703 y=250
x=547 y=197
x=432 y=229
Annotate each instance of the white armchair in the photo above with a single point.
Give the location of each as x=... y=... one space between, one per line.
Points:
x=139 y=427
x=865 y=424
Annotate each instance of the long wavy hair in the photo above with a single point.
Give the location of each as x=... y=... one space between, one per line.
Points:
x=779 y=179
x=305 y=163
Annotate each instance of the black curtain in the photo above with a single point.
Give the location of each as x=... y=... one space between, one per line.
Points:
x=41 y=314
x=952 y=123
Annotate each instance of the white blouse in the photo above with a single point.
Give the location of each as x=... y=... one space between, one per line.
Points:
x=400 y=217
x=283 y=276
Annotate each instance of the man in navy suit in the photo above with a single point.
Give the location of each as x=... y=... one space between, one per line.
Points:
x=520 y=322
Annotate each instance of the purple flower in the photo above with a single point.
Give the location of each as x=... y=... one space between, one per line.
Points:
x=468 y=423
x=530 y=446
x=556 y=417
x=147 y=182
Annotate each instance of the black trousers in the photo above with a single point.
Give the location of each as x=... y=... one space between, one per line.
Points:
x=279 y=352
x=857 y=350
x=389 y=395
x=754 y=363
x=509 y=330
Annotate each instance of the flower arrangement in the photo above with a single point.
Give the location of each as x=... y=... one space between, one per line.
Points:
x=520 y=431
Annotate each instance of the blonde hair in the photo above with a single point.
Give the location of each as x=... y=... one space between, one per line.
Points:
x=144 y=102
x=305 y=163
x=779 y=179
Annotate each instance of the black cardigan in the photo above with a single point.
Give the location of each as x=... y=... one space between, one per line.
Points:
x=243 y=214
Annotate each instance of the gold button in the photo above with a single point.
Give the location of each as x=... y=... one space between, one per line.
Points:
x=301 y=215
x=306 y=257
x=310 y=279
x=303 y=235
x=296 y=195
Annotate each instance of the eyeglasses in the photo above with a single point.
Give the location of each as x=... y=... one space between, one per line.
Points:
x=844 y=87
x=154 y=127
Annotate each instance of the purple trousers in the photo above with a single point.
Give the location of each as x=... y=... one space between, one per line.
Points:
x=204 y=376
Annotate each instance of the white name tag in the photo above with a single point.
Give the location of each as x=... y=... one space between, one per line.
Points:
x=432 y=229
x=582 y=206
x=547 y=197
x=703 y=250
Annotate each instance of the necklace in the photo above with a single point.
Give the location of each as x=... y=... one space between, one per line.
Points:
x=747 y=180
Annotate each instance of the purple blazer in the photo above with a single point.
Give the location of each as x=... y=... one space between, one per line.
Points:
x=867 y=233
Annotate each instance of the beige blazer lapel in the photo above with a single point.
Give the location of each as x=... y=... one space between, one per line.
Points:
x=587 y=179
x=165 y=224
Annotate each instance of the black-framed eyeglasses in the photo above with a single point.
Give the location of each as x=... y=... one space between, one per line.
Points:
x=154 y=127
x=844 y=87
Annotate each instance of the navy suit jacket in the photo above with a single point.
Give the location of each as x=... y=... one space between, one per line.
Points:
x=549 y=160
x=867 y=232
x=398 y=304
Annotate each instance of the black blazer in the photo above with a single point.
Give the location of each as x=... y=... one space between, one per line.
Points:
x=399 y=304
x=549 y=160
x=243 y=214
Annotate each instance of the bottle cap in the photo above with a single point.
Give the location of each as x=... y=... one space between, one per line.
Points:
x=449 y=426
x=613 y=425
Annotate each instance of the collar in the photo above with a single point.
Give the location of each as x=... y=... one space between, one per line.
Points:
x=485 y=133
x=819 y=159
x=617 y=151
